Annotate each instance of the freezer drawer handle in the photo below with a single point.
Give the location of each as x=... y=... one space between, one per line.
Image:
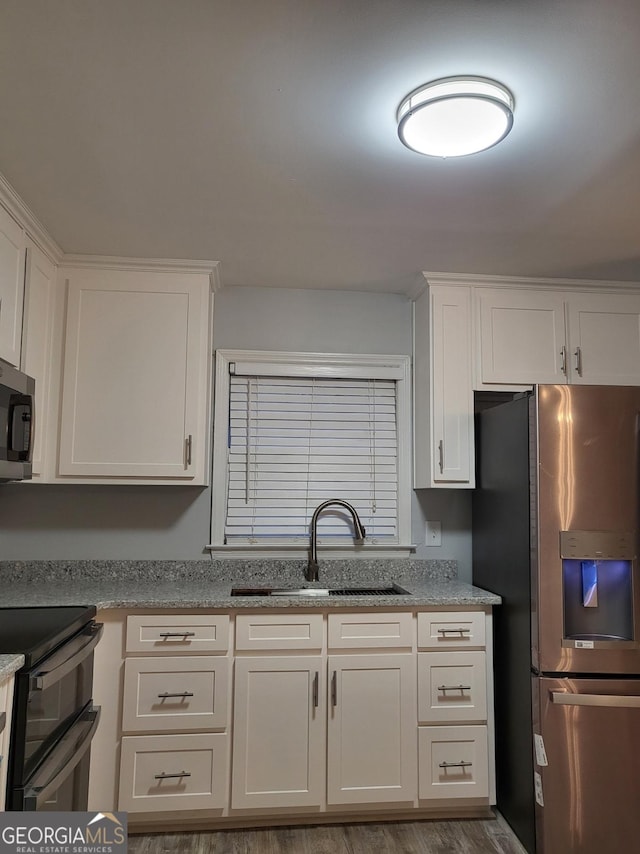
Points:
x=166 y=695
x=177 y=634
x=163 y=776
x=455 y=764
x=564 y=698
x=454 y=687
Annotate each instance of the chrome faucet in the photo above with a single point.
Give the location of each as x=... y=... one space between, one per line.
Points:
x=359 y=531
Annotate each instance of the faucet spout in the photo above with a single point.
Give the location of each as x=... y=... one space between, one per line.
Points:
x=358 y=529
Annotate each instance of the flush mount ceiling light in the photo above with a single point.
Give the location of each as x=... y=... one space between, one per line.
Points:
x=455 y=116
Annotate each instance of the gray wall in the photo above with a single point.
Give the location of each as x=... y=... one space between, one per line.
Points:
x=56 y=522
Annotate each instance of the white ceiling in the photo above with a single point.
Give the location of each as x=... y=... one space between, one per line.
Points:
x=261 y=134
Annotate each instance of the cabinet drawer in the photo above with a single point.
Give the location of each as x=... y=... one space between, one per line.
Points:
x=451 y=629
x=173 y=633
x=278 y=631
x=452 y=687
x=453 y=762
x=173 y=772
x=185 y=692
x=353 y=631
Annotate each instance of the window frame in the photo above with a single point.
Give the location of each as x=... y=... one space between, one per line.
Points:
x=338 y=365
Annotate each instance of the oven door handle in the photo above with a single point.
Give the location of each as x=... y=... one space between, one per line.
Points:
x=62 y=760
x=70 y=656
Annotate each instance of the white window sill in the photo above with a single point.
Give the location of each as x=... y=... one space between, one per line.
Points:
x=295 y=551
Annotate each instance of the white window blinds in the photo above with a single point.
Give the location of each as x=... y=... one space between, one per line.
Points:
x=297 y=441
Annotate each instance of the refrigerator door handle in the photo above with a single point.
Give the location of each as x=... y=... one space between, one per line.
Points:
x=565 y=698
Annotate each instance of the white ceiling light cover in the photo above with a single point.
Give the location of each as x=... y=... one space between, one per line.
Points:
x=455 y=116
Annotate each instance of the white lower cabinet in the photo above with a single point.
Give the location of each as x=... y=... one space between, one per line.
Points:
x=279 y=732
x=175 y=714
x=371 y=755
x=263 y=715
x=454 y=707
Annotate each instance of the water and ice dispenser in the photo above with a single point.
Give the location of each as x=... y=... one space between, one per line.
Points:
x=597 y=581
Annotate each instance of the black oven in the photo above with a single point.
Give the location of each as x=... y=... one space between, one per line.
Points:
x=54 y=718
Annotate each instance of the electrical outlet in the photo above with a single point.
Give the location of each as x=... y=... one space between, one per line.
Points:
x=433 y=533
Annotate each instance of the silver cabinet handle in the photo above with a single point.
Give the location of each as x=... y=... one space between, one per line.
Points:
x=454 y=631
x=564 y=698
x=441 y=455
x=188 y=442
x=334 y=689
x=177 y=634
x=455 y=764
x=163 y=776
x=314 y=690
x=166 y=695
x=454 y=687
x=563 y=362
x=578 y=355
x=3 y=720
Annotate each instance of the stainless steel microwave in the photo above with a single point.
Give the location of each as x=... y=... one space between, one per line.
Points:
x=16 y=423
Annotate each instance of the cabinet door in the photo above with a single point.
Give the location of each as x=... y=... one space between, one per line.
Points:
x=443 y=395
x=371 y=733
x=40 y=282
x=452 y=394
x=279 y=732
x=521 y=337
x=135 y=388
x=12 y=244
x=604 y=336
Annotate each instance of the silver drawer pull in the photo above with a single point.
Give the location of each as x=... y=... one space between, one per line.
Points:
x=177 y=634
x=166 y=695
x=454 y=631
x=454 y=687
x=455 y=764
x=163 y=776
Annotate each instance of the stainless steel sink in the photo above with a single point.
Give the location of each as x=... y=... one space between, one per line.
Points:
x=320 y=592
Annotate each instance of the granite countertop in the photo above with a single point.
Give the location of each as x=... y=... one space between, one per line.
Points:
x=207 y=583
x=9 y=664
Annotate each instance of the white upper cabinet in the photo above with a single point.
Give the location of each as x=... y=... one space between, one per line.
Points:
x=442 y=389
x=136 y=372
x=12 y=254
x=521 y=336
x=526 y=335
x=604 y=336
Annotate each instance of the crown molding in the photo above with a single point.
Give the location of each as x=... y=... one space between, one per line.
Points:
x=29 y=221
x=524 y=282
x=156 y=265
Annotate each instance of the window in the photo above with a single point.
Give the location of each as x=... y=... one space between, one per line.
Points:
x=292 y=430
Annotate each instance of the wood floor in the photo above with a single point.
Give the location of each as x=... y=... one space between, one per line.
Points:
x=473 y=836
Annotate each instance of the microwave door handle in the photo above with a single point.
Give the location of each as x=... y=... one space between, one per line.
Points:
x=16 y=400
x=63 y=760
x=43 y=679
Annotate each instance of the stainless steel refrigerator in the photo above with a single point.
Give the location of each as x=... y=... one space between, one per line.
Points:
x=555 y=533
